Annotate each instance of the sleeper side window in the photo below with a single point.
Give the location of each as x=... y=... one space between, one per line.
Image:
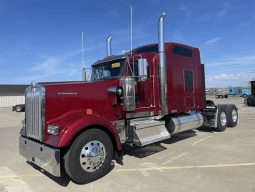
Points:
x=188 y=80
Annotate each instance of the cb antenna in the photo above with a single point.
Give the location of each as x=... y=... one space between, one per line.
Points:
x=82 y=49
x=82 y=52
x=131 y=29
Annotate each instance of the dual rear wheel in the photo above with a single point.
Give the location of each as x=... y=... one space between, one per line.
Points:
x=227 y=117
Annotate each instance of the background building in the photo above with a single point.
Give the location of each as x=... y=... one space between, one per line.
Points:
x=11 y=95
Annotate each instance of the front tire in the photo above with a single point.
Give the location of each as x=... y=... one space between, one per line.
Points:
x=89 y=157
x=221 y=119
x=232 y=115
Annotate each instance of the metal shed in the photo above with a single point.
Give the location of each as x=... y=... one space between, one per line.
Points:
x=11 y=95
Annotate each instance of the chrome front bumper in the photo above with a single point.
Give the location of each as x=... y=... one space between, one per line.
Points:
x=45 y=157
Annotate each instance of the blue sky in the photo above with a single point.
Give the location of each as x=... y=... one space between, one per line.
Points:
x=40 y=40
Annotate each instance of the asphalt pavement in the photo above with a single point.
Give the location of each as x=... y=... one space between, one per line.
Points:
x=194 y=160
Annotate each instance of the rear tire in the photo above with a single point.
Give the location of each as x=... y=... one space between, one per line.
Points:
x=232 y=115
x=89 y=157
x=221 y=119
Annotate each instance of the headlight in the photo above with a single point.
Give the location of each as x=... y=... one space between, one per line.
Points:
x=53 y=129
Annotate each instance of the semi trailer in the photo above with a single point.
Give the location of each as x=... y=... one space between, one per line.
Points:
x=139 y=98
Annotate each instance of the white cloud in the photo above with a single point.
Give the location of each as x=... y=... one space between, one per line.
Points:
x=48 y=67
x=224 y=80
x=184 y=8
x=222 y=13
x=215 y=40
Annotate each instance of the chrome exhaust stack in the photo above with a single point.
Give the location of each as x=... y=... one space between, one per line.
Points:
x=108 y=46
x=162 y=65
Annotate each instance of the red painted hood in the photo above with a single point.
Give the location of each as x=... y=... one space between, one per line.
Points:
x=64 y=97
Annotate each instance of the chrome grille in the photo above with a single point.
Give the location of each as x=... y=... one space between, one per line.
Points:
x=35 y=113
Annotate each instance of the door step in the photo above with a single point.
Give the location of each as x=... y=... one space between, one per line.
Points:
x=147 y=131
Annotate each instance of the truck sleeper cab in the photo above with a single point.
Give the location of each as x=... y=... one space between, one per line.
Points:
x=137 y=99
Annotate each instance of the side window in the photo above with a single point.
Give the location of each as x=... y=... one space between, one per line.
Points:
x=188 y=80
x=182 y=51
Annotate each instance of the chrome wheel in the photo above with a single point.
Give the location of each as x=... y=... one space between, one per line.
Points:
x=92 y=156
x=234 y=115
x=223 y=118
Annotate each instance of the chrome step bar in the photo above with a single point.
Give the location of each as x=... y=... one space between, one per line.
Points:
x=145 y=131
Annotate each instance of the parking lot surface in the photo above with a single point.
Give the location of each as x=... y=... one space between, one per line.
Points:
x=195 y=160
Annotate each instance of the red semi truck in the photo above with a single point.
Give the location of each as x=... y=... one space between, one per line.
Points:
x=139 y=98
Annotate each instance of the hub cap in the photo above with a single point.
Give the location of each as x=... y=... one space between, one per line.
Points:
x=223 y=118
x=92 y=156
x=234 y=115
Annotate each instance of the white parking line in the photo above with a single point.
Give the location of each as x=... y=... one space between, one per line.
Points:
x=201 y=140
x=185 y=167
x=131 y=170
x=174 y=158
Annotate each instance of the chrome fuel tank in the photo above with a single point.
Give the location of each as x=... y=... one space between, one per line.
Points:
x=184 y=122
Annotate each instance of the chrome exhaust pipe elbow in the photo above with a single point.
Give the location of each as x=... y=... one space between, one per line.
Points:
x=108 y=45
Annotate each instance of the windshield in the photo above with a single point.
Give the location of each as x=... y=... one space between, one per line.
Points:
x=108 y=70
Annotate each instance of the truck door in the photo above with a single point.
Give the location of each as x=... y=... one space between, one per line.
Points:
x=144 y=89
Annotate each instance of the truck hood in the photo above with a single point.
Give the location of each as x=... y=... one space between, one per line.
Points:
x=63 y=97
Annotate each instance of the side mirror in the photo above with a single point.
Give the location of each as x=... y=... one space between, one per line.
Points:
x=142 y=69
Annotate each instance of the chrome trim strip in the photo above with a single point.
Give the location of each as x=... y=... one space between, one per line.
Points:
x=44 y=156
x=140 y=114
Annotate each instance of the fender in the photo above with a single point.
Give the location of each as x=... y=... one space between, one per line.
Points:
x=71 y=123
